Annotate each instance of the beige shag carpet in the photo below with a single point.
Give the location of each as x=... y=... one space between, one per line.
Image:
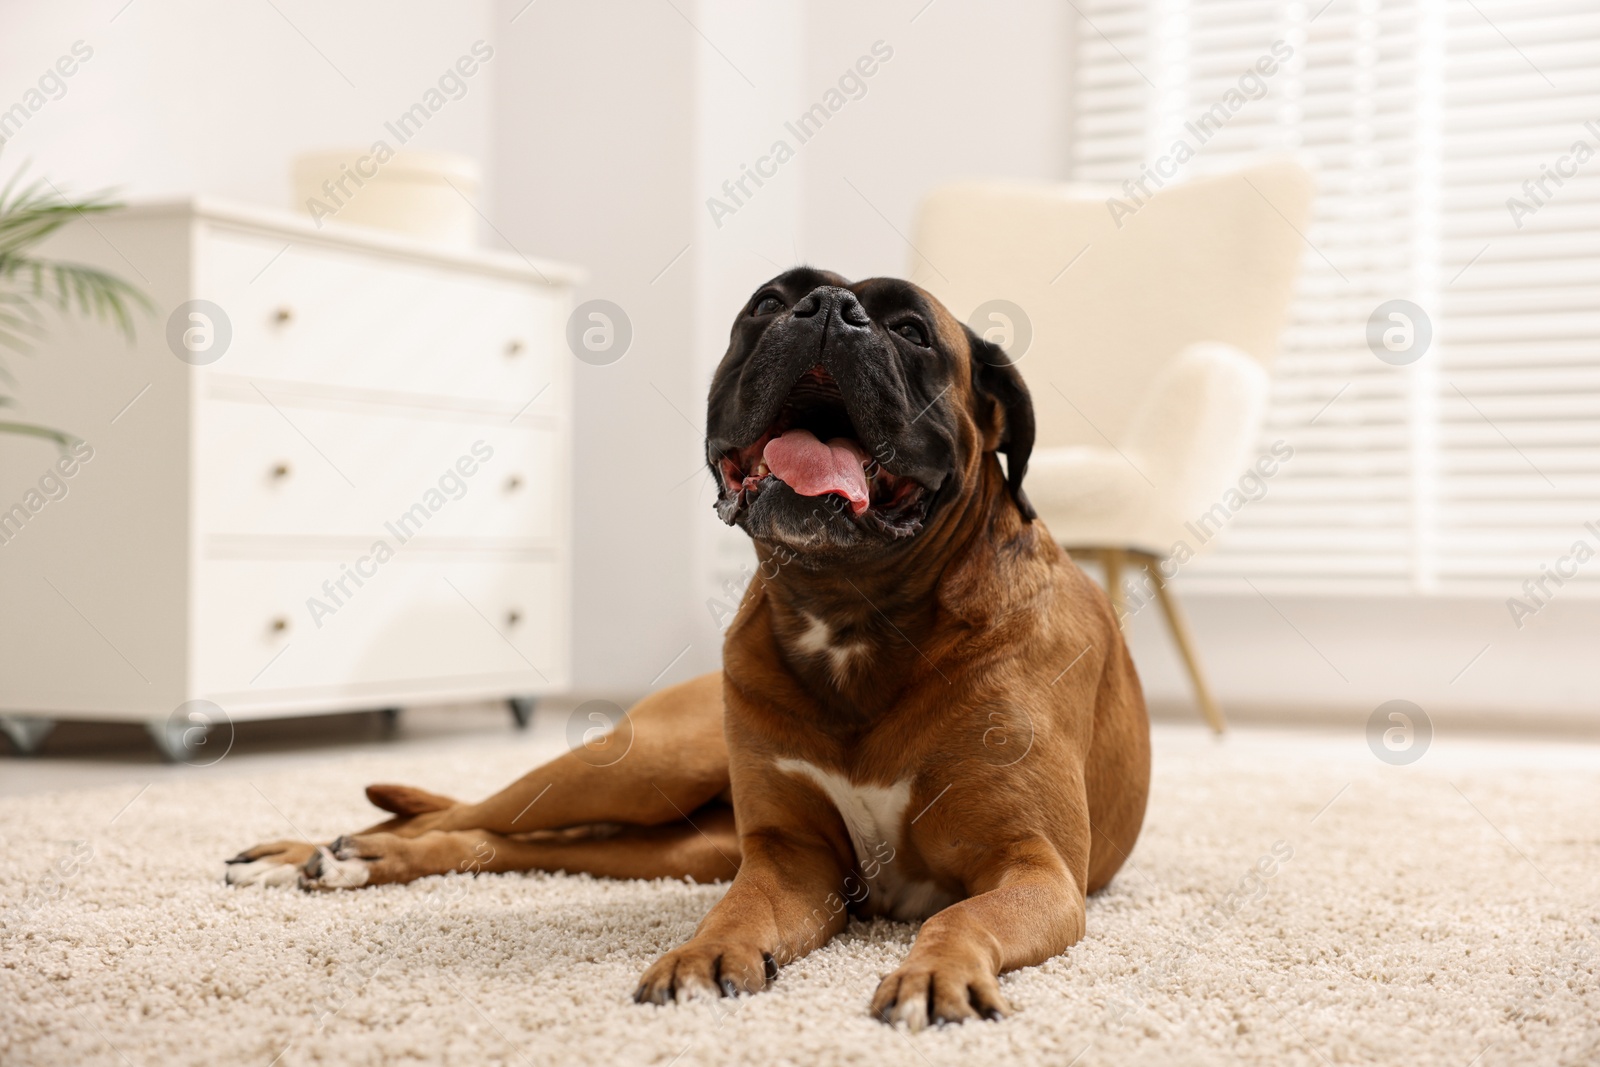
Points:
x=1291 y=901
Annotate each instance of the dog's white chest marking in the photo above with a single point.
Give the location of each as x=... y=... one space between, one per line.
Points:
x=817 y=639
x=817 y=636
x=874 y=816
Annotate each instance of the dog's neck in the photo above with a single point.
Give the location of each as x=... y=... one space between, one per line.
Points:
x=858 y=632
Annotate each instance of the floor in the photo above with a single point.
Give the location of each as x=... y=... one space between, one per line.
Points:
x=1292 y=900
x=84 y=755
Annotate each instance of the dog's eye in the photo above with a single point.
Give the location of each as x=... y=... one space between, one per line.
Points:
x=912 y=332
x=768 y=305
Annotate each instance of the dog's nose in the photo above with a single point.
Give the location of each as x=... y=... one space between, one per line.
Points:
x=832 y=303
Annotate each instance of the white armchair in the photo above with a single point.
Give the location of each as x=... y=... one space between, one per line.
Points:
x=1146 y=339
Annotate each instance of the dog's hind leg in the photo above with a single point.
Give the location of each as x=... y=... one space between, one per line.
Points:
x=275 y=863
x=665 y=759
x=271 y=863
x=703 y=848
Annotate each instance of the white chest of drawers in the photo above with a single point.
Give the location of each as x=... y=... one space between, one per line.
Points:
x=345 y=484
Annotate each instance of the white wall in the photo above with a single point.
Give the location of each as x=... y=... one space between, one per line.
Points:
x=184 y=96
x=1335 y=659
x=975 y=90
x=595 y=164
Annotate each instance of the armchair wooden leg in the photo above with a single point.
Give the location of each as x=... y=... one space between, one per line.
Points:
x=1185 y=643
x=1111 y=561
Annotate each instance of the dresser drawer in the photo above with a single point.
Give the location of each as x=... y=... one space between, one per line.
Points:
x=223 y=539
x=416 y=617
x=315 y=314
x=346 y=471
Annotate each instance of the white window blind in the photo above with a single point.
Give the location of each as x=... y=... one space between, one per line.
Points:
x=1475 y=466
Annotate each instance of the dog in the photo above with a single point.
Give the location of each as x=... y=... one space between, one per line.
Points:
x=926 y=711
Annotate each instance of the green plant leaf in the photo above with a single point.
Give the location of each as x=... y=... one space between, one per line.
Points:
x=29 y=213
x=62 y=440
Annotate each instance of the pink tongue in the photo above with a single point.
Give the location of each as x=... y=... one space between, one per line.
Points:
x=812 y=468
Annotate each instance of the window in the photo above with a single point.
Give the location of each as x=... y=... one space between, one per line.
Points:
x=1457 y=150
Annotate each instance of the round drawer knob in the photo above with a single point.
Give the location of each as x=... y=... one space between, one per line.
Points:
x=280 y=471
x=513 y=617
x=514 y=347
x=283 y=316
x=513 y=483
x=279 y=624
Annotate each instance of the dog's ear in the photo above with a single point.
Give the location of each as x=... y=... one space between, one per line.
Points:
x=1002 y=397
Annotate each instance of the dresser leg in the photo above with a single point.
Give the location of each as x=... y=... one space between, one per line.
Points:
x=522 y=710
x=26 y=732
x=177 y=741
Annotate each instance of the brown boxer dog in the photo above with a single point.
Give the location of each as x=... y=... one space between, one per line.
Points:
x=926 y=710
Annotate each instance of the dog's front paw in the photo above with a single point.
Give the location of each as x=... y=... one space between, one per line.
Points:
x=938 y=991
x=706 y=969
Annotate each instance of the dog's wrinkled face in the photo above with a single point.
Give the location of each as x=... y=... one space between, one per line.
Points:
x=846 y=418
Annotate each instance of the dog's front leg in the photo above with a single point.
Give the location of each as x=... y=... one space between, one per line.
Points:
x=1030 y=909
x=784 y=902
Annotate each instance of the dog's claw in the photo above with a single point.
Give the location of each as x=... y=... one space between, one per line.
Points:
x=938 y=995
x=313 y=866
x=647 y=994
